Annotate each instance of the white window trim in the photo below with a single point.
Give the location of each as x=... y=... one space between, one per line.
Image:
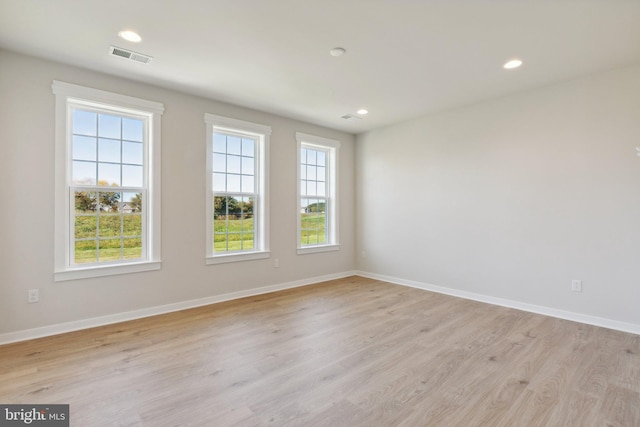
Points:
x=64 y=93
x=263 y=133
x=332 y=178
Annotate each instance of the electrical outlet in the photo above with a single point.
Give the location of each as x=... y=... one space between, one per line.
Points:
x=576 y=285
x=363 y=254
x=276 y=263
x=33 y=295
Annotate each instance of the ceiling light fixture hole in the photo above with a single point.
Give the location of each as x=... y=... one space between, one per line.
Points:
x=512 y=63
x=130 y=36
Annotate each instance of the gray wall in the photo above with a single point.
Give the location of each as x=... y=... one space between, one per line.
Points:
x=26 y=217
x=512 y=198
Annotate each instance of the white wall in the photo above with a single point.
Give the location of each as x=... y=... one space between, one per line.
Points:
x=513 y=198
x=26 y=214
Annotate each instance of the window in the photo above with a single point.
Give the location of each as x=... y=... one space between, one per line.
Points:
x=107 y=212
x=317 y=196
x=237 y=203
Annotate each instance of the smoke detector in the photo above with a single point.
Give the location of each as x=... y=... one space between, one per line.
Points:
x=130 y=55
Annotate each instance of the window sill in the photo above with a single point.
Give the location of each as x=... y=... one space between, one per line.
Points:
x=245 y=256
x=317 y=249
x=105 y=270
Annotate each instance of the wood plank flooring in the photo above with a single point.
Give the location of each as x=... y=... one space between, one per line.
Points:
x=350 y=352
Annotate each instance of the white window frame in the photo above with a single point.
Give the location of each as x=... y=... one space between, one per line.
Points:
x=262 y=134
x=332 y=148
x=70 y=96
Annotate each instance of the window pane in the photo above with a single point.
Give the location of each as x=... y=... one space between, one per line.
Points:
x=248 y=165
x=85 y=226
x=219 y=182
x=131 y=203
x=108 y=174
x=219 y=207
x=84 y=173
x=303 y=172
x=220 y=242
x=233 y=223
x=233 y=145
x=248 y=147
x=321 y=189
x=311 y=172
x=311 y=157
x=247 y=206
x=85 y=123
x=233 y=183
x=132 y=129
x=303 y=188
x=219 y=162
x=109 y=150
x=322 y=158
x=219 y=143
x=311 y=188
x=109 y=225
x=132 y=176
x=109 y=249
x=321 y=174
x=247 y=183
x=84 y=148
x=109 y=201
x=132 y=153
x=109 y=126
x=247 y=231
x=132 y=248
x=233 y=164
x=132 y=224
x=233 y=207
x=313 y=226
x=316 y=206
x=85 y=251
x=85 y=201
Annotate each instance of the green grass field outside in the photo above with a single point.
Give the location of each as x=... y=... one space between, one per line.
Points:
x=313 y=228
x=107 y=237
x=233 y=234
x=119 y=235
x=237 y=234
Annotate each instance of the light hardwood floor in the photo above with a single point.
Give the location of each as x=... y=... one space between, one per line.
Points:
x=350 y=352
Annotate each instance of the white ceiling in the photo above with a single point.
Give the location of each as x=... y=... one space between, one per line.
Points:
x=404 y=58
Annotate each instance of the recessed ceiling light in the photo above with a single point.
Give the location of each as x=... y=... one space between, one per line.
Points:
x=362 y=111
x=130 y=36
x=511 y=64
x=337 y=51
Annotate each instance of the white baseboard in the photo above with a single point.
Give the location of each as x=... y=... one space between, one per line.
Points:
x=547 y=311
x=93 y=322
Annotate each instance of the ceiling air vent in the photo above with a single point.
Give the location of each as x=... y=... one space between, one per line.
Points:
x=130 y=55
x=351 y=117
